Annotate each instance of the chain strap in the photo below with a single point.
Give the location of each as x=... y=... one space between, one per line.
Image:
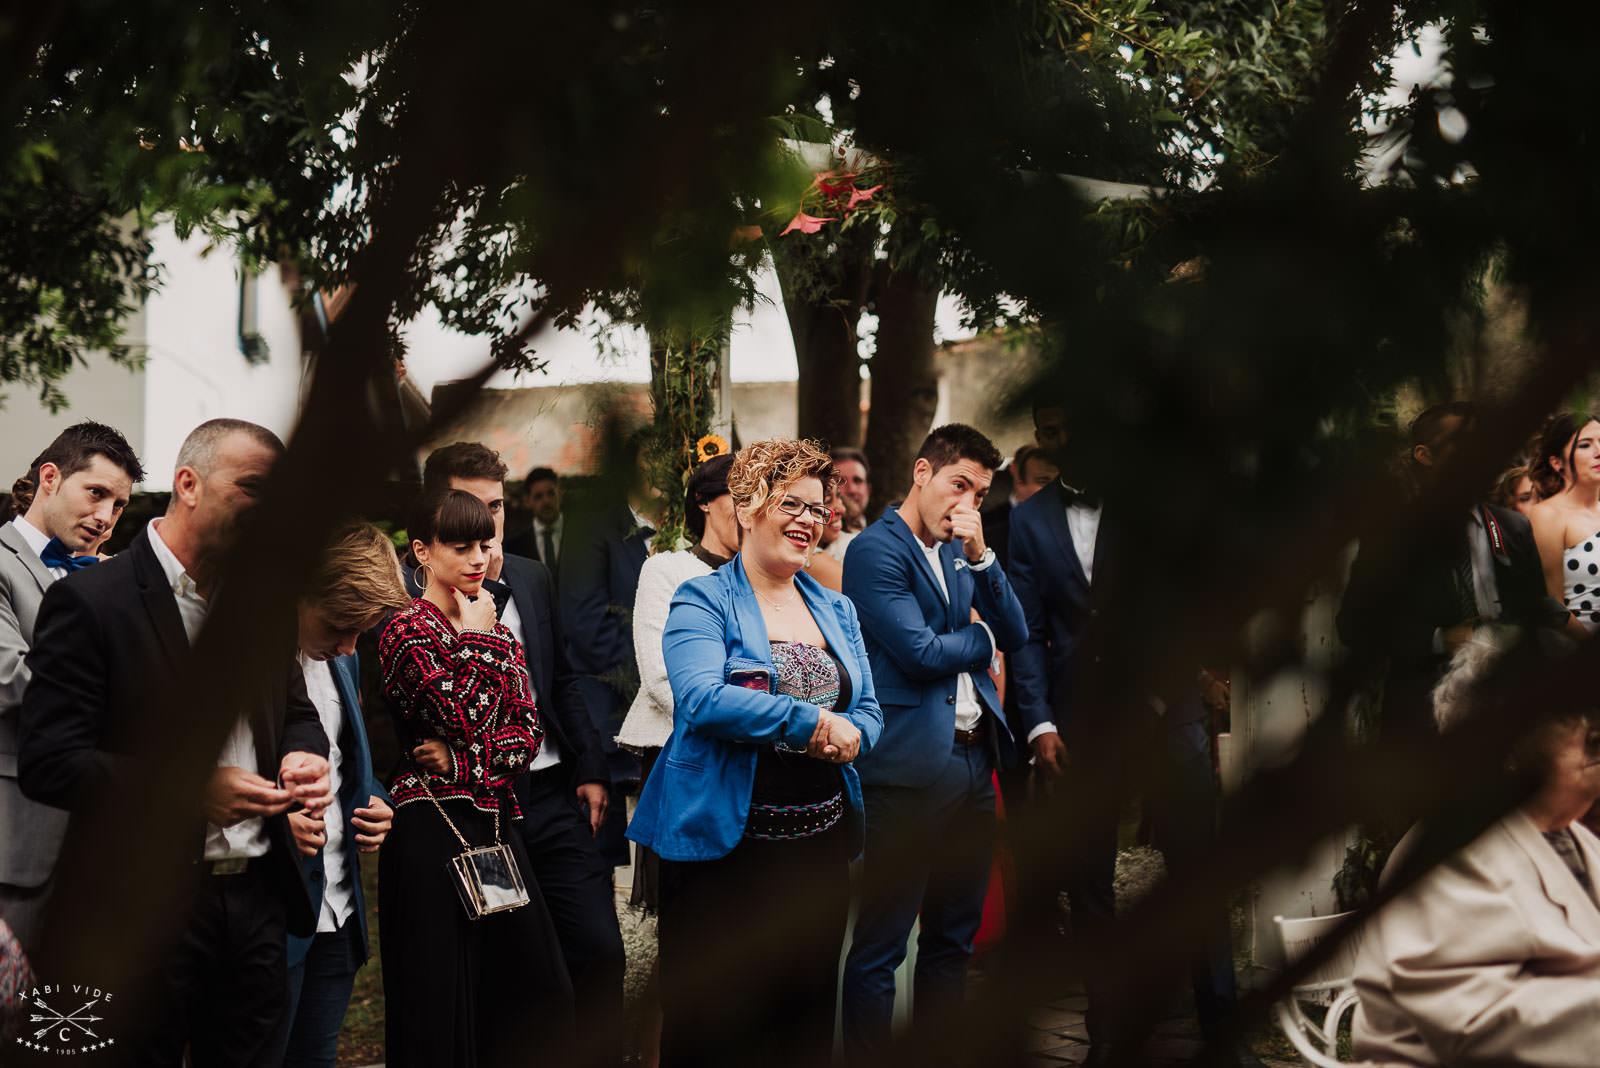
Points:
x=466 y=846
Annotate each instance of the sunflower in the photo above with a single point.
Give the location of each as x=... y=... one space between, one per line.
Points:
x=709 y=446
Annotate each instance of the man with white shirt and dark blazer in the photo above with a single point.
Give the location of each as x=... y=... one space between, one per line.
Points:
x=1073 y=713
x=541 y=493
x=916 y=575
x=565 y=794
x=113 y=645
x=82 y=482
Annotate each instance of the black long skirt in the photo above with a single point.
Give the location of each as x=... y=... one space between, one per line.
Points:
x=749 y=954
x=459 y=992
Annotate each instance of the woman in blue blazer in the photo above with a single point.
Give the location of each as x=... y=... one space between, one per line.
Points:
x=753 y=806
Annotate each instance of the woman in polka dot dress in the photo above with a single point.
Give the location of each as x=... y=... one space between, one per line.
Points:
x=1566 y=526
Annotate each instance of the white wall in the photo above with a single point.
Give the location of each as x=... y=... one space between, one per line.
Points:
x=1269 y=723
x=103 y=391
x=188 y=333
x=195 y=370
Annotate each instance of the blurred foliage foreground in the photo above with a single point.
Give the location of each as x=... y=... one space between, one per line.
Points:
x=1227 y=351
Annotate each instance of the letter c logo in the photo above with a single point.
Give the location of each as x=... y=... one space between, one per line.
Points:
x=66 y=1035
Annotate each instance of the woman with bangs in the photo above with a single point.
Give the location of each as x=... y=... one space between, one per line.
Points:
x=459 y=991
x=753 y=806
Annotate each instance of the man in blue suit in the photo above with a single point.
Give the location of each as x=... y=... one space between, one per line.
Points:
x=1073 y=700
x=916 y=576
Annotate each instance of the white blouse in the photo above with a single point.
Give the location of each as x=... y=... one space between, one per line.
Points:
x=648 y=724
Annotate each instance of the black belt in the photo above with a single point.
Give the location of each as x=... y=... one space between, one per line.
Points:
x=556 y=773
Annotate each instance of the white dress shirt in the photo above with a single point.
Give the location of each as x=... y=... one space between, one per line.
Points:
x=1083 y=523
x=549 y=753
x=338 y=895
x=968 y=710
x=555 y=530
x=37 y=540
x=248 y=838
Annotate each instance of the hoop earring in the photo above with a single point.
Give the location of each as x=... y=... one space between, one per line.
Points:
x=421 y=585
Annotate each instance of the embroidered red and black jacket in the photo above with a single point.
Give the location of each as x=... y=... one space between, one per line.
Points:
x=469 y=690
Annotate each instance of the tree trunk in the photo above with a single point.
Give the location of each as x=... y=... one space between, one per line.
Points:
x=828 y=361
x=905 y=389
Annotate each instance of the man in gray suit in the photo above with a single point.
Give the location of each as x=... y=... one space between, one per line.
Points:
x=81 y=485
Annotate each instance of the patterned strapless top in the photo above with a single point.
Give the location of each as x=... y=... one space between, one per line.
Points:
x=1581 y=583
x=793 y=795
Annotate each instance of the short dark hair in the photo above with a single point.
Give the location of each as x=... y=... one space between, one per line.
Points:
x=845 y=452
x=461 y=459
x=77 y=446
x=958 y=441
x=1429 y=426
x=449 y=515
x=708 y=482
x=539 y=474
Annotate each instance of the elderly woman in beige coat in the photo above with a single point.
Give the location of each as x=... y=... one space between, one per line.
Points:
x=1493 y=957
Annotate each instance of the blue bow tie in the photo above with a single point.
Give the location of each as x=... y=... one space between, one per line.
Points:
x=58 y=555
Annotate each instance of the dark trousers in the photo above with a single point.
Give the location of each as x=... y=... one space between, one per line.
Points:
x=225 y=989
x=1182 y=811
x=319 y=992
x=749 y=953
x=575 y=878
x=457 y=991
x=928 y=852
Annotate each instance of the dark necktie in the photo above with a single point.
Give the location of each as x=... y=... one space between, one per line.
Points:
x=547 y=548
x=1567 y=849
x=58 y=555
x=1074 y=496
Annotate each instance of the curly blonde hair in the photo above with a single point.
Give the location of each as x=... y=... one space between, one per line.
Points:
x=764 y=470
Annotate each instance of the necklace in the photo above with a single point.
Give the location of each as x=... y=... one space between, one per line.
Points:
x=776 y=606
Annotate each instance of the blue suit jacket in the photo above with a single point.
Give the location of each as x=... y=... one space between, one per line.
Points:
x=601 y=555
x=697 y=797
x=919 y=644
x=357 y=783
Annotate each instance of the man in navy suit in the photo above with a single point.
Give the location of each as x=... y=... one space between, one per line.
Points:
x=916 y=576
x=601 y=556
x=565 y=794
x=1071 y=702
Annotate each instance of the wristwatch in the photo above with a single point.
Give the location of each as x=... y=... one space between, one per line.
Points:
x=985 y=560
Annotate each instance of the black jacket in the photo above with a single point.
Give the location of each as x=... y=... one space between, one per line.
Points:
x=108 y=658
x=1393 y=605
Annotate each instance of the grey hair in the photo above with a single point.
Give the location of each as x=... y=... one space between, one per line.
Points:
x=1454 y=694
x=199 y=449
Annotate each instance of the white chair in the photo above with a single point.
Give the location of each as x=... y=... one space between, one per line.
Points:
x=1331 y=982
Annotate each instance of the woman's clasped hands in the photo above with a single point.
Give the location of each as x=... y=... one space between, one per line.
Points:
x=835 y=740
